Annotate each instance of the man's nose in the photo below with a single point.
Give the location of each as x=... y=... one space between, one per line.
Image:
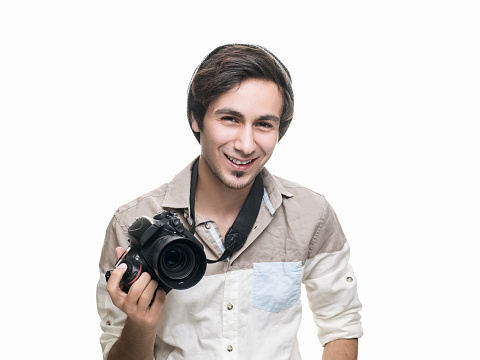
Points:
x=245 y=142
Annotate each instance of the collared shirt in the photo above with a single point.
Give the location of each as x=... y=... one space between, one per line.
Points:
x=248 y=307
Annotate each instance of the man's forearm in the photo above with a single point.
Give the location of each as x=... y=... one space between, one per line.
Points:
x=341 y=349
x=133 y=344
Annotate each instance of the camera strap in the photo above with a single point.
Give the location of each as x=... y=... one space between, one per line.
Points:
x=237 y=235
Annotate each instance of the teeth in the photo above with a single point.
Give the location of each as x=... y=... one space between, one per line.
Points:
x=238 y=162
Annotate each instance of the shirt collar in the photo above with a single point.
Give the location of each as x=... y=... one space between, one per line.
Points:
x=274 y=189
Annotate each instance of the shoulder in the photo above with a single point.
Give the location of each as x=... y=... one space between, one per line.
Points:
x=147 y=204
x=310 y=216
x=152 y=197
x=171 y=195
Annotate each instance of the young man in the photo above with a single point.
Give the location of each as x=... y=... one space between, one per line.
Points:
x=247 y=306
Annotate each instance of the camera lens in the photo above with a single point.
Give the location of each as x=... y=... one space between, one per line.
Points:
x=177 y=261
x=173 y=258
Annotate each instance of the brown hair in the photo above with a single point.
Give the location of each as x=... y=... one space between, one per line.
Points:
x=230 y=65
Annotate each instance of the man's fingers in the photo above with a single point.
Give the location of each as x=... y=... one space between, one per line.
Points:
x=113 y=284
x=159 y=300
x=147 y=296
x=137 y=289
x=119 y=251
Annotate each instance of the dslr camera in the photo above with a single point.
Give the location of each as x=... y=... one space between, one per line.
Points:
x=166 y=250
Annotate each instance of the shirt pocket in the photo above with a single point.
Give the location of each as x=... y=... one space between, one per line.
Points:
x=276 y=285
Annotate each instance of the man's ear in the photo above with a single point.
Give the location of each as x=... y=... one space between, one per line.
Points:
x=195 y=126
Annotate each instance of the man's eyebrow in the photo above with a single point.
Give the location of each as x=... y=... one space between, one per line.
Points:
x=238 y=114
x=273 y=118
x=229 y=111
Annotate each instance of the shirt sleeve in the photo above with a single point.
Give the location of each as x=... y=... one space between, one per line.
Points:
x=331 y=284
x=112 y=318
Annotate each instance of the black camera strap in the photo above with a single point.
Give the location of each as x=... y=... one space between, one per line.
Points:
x=237 y=235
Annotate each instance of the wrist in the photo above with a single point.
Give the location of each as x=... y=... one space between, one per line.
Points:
x=140 y=327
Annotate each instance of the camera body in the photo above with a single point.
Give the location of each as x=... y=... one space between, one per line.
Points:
x=164 y=248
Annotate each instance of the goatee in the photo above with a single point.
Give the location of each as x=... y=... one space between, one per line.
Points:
x=238 y=174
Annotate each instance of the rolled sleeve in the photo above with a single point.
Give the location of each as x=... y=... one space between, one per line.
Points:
x=331 y=288
x=330 y=282
x=112 y=318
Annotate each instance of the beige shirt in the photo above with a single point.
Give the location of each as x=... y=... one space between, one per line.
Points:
x=249 y=307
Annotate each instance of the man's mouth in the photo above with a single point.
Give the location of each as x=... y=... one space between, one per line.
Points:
x=239 y=162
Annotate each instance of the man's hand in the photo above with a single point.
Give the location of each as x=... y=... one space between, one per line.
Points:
x=137 y=303
x=144 y=315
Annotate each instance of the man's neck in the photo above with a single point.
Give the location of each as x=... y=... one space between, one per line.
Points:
x=215 y=201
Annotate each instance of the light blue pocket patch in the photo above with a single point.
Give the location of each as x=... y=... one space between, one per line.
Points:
x=276 y=285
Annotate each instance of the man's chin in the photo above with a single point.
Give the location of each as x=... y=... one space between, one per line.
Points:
x=238 y=181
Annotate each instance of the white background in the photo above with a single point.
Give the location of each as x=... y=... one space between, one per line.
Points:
x=92 y=107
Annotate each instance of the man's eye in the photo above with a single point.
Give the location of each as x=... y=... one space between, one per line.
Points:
x=265 y=124
x=228 y=118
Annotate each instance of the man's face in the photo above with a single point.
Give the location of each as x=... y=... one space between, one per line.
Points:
x=240 y=131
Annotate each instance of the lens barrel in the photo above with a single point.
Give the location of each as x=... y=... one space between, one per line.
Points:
x=177 y=261
x=180 y=262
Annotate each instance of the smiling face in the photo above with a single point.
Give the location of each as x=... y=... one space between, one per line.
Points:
x=239 y=134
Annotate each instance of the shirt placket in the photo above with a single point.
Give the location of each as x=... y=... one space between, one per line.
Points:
x=230 y=316
x=208 y=230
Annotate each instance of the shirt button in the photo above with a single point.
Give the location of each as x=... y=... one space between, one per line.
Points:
x=229 y=348
x=229 y=306
x=207 y=225
x=349 y=279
